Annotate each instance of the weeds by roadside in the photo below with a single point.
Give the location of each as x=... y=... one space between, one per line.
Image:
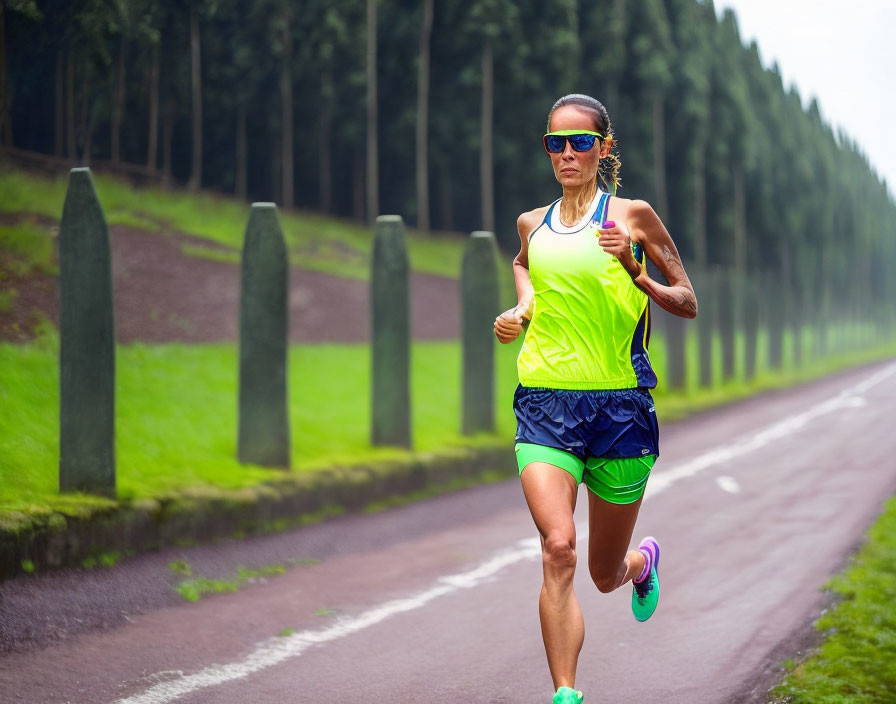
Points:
x=856 y=662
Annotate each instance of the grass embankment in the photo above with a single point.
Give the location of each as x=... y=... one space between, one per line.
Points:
x=176 y=404
x=331 y=245
x=856 y=662
x=176 y=413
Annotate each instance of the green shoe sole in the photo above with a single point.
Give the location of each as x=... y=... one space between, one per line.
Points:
x=567 y=695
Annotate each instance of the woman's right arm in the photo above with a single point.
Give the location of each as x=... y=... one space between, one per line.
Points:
x=509 y=324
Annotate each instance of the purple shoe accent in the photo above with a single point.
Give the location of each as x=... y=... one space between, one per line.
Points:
x=651 y=550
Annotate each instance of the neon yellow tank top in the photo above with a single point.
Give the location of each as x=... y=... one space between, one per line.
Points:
x=591 y=325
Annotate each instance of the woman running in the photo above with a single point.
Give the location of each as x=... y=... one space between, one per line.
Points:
x=583 y=408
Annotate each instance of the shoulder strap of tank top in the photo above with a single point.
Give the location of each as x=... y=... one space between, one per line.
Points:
x=546 y=220
x=547 y=215
x=603 y=207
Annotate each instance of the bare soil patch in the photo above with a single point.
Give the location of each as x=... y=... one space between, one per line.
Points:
x=164 y=295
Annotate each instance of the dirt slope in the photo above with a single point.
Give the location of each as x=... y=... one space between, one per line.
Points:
x=163 y=295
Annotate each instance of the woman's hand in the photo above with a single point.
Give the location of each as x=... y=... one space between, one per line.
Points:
x=509 y=324
x=615 y=240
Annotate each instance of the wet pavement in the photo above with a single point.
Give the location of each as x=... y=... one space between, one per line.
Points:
x=755 y=506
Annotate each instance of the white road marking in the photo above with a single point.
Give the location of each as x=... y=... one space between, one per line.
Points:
x=275 y=650
x=728 y=484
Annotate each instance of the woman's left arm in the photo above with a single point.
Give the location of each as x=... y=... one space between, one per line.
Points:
x=646 y=229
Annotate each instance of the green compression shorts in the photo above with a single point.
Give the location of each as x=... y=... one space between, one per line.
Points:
x=619 y=481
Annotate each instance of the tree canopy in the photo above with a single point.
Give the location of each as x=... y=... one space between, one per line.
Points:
x=744 y=172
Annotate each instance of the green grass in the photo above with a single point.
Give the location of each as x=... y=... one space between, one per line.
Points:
x=7 y=299
x=103 y=559
x=194 y=588
x=856 y=662
x=25 y=248
x=230 y=256
x=176 y=413
x=332 y=245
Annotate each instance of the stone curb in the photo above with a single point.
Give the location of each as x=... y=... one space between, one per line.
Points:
x=56 y=540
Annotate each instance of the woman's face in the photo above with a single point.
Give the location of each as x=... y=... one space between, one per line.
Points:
x=572 y=168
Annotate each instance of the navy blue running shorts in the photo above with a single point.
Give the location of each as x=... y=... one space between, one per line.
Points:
x=588 y=424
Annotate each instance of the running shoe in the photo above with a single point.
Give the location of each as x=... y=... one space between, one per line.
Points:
x=646 y=592
x=567 y=695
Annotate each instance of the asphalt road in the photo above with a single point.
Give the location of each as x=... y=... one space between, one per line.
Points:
x=755 y=506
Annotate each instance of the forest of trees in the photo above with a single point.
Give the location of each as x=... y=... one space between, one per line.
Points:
x=435 y=110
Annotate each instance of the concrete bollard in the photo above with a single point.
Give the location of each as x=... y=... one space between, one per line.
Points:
x=676 y=338
x=264 y=436
x=479 y=306
x=775 y=321
x=86 y=343
x=727 y=320
x=390 y=331
x=704 y=286
x=751 y=303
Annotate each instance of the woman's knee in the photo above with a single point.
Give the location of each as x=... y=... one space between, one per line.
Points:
x=605 y=580
x=558 y=552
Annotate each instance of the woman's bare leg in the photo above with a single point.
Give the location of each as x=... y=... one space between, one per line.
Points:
x=551 y=495
x=610 y=528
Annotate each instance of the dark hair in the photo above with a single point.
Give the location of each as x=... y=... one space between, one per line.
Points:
x=608 y=167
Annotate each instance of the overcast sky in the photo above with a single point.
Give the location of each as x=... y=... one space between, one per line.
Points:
x=843 y=53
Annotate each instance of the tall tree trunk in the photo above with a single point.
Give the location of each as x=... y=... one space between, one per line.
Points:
x=5 y=120
x=740 y=220
x=86 y=126
x=167 y=137
x=659 y=158
x=373 y=186
x=423 y=119
x=700 y=248
x=325 y=174
x=446 y=192
x=618 y=16
x=71 y=141
x=486 y=163
x=286 y=115
x=87 y=154
x=152 y=142
x=276 y=169
x=358 y=188
x=59 y=105
x=242 y=160
x=118 y=105
x=196 y=82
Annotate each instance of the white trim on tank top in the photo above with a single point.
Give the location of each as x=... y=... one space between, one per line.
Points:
x=562 y=229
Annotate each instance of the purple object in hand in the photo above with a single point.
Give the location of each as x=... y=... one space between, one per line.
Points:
x=608 y=224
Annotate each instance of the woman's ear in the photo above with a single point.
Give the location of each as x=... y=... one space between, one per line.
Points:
x=606 y=147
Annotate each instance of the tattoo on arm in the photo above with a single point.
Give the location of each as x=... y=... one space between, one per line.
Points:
x=675 y=299
x=674 y=268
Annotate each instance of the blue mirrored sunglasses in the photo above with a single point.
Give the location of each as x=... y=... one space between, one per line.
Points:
x=579 y=140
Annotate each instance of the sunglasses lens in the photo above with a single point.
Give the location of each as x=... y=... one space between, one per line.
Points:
x=554 y=144
x=581 y=142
